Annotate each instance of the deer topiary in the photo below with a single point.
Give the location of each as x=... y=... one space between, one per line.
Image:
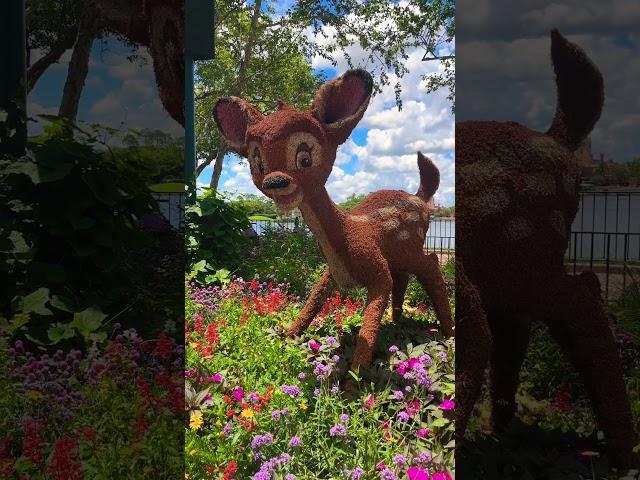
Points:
x=377 y=244
x=517 y=196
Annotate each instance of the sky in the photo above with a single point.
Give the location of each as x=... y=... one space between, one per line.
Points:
x=117 y=93
x=504 y=72
x=382 y=151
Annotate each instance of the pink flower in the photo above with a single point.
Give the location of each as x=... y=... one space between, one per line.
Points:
x=417 y=473
x=237 y=394
x=423 y=432
x=413 y=362
x=381 y=466
x=447 y=404
x=402 y=368
x=313 y=345
x=441 y=476
x=413 y=407
x=369 y=402
x=217 y=378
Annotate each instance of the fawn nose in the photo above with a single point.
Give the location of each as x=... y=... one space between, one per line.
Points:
x=275 y=182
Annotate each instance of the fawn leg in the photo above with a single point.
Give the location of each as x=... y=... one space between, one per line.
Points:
x=314 y=303
x=473 y=343
x=400 y=282
x=430 y=276
x=510 y=338
x=377 y=300
x=578 y=322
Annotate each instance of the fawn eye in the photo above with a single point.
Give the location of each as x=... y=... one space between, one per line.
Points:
x=257 y=161
x=303 y=156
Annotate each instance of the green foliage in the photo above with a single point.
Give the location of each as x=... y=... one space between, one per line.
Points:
x=626 y=308
x=69 y=203
x=215 y=235
x=256 y=204
x=353 y=200
x=441 y=211
x=293 y=257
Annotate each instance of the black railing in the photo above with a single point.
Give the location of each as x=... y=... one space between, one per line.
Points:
x=605 y=237
x=171 y=205
x=440 y=235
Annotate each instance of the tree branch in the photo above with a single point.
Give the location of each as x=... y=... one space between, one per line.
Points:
x=56 y=51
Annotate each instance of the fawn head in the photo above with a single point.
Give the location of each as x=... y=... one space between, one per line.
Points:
x=291 y=152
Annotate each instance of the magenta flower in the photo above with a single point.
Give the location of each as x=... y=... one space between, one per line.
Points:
x=447 y=404
x=414 y=362
x=217 y=378
x=402 y=368
x=441 y=476
x=313 y=345
x=417 y=473
x=369 y=402
x=238 y=394
x=423 y=432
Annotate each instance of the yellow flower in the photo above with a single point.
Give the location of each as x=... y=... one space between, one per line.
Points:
x=195 y=422
x=186 y=476
x=302 y=405
x=199 y=305
x=35 y=394
x=193 y=344
x=193 y=452
x=247 y=413
x=218 y=423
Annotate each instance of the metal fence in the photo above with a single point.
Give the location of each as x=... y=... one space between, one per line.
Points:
x=171 y=206
x=605 y=238
x=440 y=236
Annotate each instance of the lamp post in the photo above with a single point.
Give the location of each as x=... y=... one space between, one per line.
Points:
x=13 y=76
x=199 y=45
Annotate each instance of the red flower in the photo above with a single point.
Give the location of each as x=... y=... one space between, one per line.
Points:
x=230 y=470
x=32 y=442
x=164 y=347
x=64 y=463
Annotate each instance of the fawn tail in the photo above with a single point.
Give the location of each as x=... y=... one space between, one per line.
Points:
x=429 y=178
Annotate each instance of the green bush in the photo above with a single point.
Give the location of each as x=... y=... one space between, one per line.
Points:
x=291 y=256
x=215 y=235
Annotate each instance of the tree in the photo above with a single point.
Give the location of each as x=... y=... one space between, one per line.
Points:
x=386 y=30
x=353 y=200
x=255 y=204
x=257 y=57
x=55 y=27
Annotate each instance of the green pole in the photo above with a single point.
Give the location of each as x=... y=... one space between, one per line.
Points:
x=13 y=76
x=189 y=125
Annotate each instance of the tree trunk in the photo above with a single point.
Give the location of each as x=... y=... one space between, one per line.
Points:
x=248 y=50
x=78 y=66
x=217 y=168
x=36 y=70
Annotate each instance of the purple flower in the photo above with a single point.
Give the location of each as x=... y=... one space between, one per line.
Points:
x=285 y=411
x=335 y=358
x=316 y=392
x=408 y=389
x=190 y=373
x=426 y=359
x=443 y=356
x=261 y=440
x=227 y=429
x=338 y=430
x=301 y=376
x=398 y=395
x=334 y=390
x=400 y=460
x=289 y=476
x=290 y=390
x=387 y=474
x=404 y=416
x=275 y=414
x=393 y=348
x=422 y=458
x=344 y=418
x=295 y=442
x=355 y=474
x=331 y=340
x=253 y=397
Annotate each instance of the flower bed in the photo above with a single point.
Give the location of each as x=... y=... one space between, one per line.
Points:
x=112 y=412
x=264 y=407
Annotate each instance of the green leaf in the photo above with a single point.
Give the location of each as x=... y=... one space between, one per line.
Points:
x=35 y=302
x=60 y=331
x=88 y=321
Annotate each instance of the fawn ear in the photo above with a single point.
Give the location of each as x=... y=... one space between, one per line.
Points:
x=340 y=104
x=234 y=116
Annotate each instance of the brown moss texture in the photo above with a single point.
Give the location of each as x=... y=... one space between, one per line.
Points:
x=377 y=244
x=516 y=192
